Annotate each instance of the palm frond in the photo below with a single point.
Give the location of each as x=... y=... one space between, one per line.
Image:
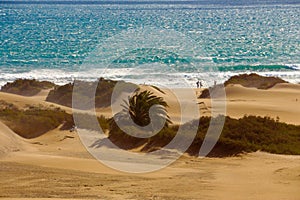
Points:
x=138 y=107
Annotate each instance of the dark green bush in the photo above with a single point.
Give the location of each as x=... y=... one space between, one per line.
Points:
x=247 y=134
x=34 y=121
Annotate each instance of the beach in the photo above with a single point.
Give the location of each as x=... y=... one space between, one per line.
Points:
x=143 y=99
x=56 y=165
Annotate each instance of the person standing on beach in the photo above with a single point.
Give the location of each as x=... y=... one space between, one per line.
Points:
x=198 y=83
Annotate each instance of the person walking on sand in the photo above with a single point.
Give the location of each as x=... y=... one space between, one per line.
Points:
x=198 y=84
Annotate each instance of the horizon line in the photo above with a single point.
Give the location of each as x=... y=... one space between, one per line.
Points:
x=146 y=2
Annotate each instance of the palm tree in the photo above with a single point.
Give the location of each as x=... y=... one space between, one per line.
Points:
x=144 y=106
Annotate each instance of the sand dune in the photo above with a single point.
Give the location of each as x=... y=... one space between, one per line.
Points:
x=10 y=141
x=274 y=102
x=56 y=165
x=281 y=101
x=23 y=102
x=253 y=176
x=286 y=86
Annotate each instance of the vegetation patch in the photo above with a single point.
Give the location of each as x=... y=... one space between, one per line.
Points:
x=104 y=88
x=254 y=80
x=33 y=121
x=248 y=134
x=26 y=87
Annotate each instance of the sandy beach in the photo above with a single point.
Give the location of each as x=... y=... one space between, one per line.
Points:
x=56 y=165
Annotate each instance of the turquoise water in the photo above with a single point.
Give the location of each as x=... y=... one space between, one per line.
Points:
x=50 y=41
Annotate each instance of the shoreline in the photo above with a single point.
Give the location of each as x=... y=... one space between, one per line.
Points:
x=61 y=77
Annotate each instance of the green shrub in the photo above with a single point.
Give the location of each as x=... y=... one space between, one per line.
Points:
x=34 y=121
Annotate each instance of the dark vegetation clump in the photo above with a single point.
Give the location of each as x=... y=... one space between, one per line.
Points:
x=254 y=80
x=123 y=140
x=248 y=134
x=205 y=94
x=136 y=111
x=63 y=94
x=214 y=91
x=33 y=121
x=26 y=87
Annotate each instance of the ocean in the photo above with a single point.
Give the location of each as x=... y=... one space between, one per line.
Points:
x=165 y=43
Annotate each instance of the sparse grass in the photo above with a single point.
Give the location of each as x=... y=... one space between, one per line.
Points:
x=26 y=87
x=4 y=104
